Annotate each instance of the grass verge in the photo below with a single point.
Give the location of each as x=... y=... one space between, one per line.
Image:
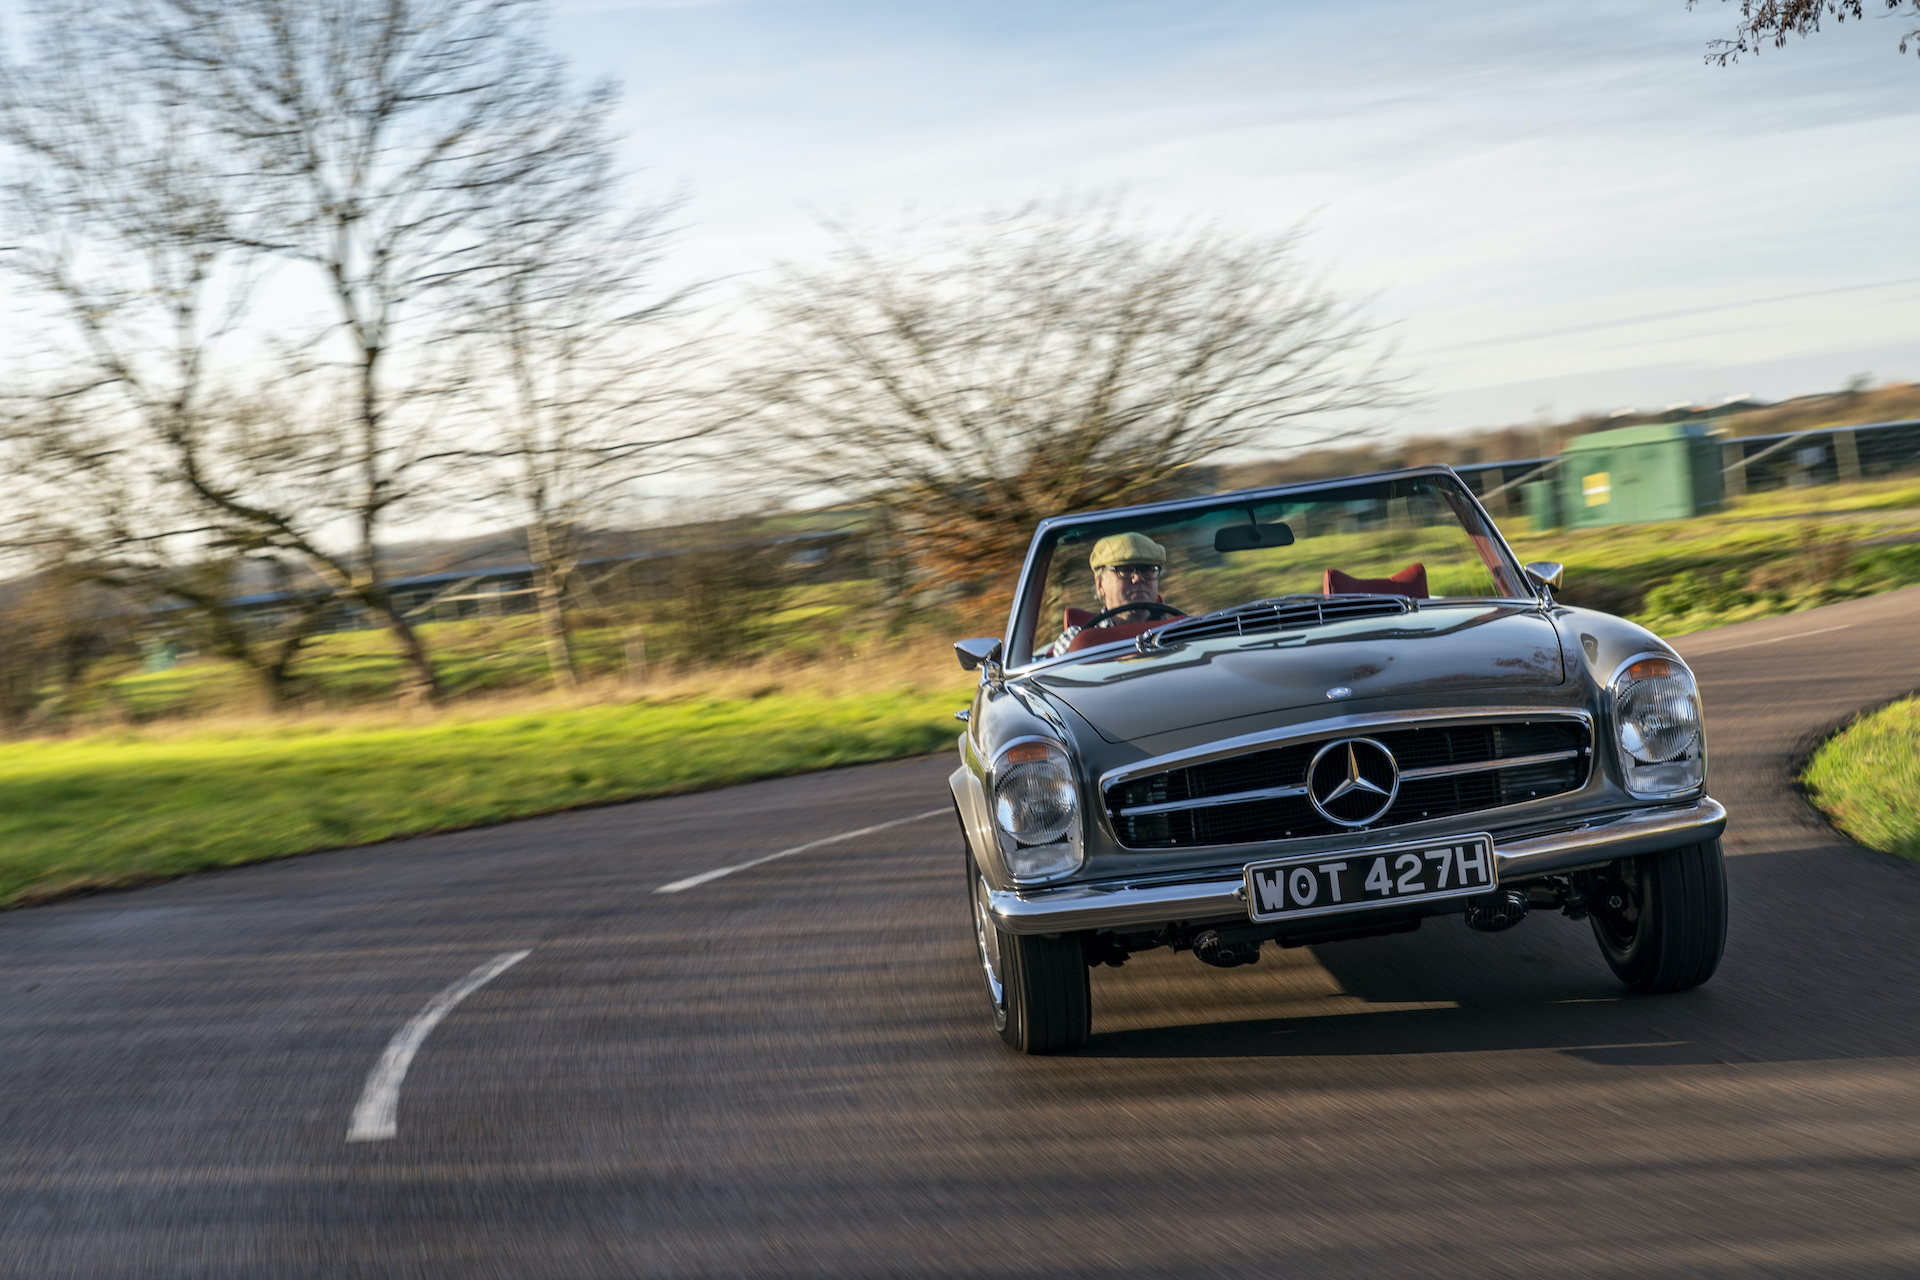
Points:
x=126 y=808
x=1867 y=779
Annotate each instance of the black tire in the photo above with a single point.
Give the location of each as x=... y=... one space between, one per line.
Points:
x=1677 y=901
x=1037 y=987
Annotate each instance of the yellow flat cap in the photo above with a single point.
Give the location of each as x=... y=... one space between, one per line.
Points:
x=1127 y=548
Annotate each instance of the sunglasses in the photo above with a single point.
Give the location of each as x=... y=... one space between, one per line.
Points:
x=1134 y=570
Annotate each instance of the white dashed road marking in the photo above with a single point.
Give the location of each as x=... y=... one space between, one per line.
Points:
x=376 y=1117
x=695 y=881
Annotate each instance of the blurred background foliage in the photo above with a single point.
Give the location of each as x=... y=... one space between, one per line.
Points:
x=297 y=282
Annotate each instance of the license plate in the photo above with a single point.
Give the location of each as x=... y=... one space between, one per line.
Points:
x=1289 y=888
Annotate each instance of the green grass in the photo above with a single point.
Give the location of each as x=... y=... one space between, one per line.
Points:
x=1867 y=779
x=1765 y=554
x=131 y=807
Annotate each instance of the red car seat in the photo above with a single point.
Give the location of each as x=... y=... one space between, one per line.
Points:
x=1109 y=633
x=1410 y=581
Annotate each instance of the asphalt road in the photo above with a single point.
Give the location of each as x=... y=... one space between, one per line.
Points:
x=789 y=1071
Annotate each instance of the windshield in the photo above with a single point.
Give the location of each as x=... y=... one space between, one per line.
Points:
x=1418 y=536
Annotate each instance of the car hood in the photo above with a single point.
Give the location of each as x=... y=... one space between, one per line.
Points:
x=1438 y=649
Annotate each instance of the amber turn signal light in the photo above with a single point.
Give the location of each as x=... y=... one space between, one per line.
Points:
x=1026 y=753
x=1650 y=668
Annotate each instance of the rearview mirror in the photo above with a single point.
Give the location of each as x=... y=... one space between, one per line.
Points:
x=1251 y=537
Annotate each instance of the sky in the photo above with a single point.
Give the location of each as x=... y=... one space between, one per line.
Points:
x=1549 y=209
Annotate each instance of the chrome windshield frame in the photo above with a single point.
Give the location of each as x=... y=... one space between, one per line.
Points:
x=1020 y=643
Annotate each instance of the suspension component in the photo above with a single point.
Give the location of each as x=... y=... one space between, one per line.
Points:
x=1499 y=910
x=1210 y=949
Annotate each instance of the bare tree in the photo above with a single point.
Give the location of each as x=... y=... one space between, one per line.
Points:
x=1772 y=21
x=386 y=131
x=969 y=383
x=125 y=237
x=360 y=147
x=586 y=393
x=55 y=631
x=83 y=515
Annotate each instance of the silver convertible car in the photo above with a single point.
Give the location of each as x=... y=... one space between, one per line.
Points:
x=1312 y=713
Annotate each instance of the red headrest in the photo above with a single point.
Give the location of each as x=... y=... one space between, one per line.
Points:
x=1410 y=581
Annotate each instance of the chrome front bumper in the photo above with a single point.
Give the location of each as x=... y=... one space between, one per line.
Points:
x=1116 y=904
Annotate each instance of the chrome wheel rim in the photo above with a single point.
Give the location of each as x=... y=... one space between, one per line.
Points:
x=987 y=939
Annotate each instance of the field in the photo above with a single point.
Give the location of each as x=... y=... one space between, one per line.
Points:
x=1768 y=553
x=812 y=633
x=164 y=772
x=1867 y=779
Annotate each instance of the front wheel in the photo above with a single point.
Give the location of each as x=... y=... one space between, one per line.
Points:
x=1661 y=919
x=1037 y=986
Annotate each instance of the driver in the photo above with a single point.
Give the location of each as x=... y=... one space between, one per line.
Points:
x=1126 y=570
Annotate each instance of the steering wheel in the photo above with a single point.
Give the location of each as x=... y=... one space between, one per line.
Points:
x=1156 y=606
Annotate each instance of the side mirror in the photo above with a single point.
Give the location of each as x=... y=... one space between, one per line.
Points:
x=975 y=654
x=1545 y=573
x=983 y=652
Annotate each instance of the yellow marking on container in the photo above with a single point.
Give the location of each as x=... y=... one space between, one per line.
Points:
x=1597 y=488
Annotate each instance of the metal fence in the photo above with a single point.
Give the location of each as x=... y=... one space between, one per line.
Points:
x=1748 y=464
x=1754 y=464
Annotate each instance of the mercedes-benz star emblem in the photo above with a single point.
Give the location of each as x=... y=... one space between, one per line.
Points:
x=1353 y=782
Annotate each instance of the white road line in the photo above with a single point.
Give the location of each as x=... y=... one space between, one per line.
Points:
x=692 y=882
x=1798 y=635
x=375 y=1118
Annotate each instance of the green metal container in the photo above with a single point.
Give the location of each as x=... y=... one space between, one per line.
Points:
x=1665 y=471
x=1542 y=498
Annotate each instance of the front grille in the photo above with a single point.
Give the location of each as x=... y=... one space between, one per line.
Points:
x=1284 y=613
x=1445 y=770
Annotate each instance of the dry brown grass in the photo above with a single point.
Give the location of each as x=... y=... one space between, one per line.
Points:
x=919 y=663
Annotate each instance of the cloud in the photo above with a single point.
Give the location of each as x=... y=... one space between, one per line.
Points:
x=1483 y=169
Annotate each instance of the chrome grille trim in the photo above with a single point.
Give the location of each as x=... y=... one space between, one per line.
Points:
x=1281 y=793
x=1259 y=793
x=1357 y=725
x=1208 y=802
x=1482 y=766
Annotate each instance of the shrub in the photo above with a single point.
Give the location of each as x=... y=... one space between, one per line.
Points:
x=1691 y=592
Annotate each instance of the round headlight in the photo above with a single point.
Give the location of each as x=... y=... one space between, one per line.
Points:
x=1658 y=710
x=1034 y=799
